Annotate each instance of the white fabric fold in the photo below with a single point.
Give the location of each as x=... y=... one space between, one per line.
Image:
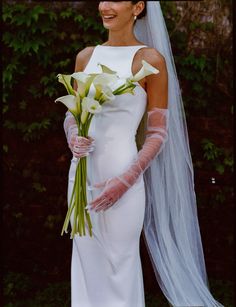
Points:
x=171 y=225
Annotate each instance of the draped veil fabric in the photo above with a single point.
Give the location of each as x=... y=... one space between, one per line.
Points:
x=171 y=226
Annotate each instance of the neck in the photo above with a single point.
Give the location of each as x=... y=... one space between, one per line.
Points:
x=122 y=37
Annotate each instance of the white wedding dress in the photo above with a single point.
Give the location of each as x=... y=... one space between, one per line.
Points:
x=106 y=268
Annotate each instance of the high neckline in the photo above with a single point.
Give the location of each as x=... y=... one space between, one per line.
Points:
x=121 y=46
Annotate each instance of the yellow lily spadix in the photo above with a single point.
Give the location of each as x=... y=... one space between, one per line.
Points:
x=83 y=107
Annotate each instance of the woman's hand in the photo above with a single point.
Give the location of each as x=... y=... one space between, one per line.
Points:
x=81 y=146
x=113 y=191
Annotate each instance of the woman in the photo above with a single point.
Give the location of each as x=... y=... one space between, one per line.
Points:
x=129 y=189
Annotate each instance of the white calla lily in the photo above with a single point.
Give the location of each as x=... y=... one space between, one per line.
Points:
x=103 y=83
x=105 y=79
x=70 y=101
x=107 y=94
x=83 y=81
x=146 y=70
x=91 y=105
x=106 y=69
x=84 y=116
x=66 y=81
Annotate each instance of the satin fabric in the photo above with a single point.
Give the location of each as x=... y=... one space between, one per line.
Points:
x=106 y=268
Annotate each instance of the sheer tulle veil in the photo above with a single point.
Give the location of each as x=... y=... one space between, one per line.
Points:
x=171 y=228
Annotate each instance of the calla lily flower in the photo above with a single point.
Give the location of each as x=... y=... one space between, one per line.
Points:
x=107 y=70
x=105 y=79
x=71 y=102
x=83 y=81
x=104 y=83
x=107 y=94
x=91 y=105
x=84 y=116
x=146 y=70
x=66 y=81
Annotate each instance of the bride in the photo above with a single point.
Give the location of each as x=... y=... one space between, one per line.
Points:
x=130 y=190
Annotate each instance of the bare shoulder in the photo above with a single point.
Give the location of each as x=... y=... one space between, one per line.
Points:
x=153 y=57
x=83 y=57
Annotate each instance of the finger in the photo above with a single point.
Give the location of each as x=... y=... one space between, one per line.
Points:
x=106 y=206
x=98 y=203
x=101 y=205
x=82 y=147
x=79 y=155
x=91 y=139
x=104 y=203
x=84 y=141
x=83 y=151
x=79 y=152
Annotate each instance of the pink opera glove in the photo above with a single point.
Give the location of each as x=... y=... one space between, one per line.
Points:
x=156 y=136
x=80 y=146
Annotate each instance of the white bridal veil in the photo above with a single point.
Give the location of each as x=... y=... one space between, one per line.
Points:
x=171 y=225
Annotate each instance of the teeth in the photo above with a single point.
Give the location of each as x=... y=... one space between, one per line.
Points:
x=109 y=17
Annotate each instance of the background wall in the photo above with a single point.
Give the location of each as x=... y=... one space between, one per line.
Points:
x=40 y=40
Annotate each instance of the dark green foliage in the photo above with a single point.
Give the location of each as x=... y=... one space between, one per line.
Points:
x=219 y=157
x=18 y=285
x=39 y=41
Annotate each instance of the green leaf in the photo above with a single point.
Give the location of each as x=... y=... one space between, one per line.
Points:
x=36 y=11
x=5 y=148
x=220 y=168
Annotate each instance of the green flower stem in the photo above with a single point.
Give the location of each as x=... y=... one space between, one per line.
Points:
x=76 y=209
x=67 y=219
x=79 y=212
x=84 y=196
x=82 y=199
x=120 y=88
x=86 y=212
x=78 y=200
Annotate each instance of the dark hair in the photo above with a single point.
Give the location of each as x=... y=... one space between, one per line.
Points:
x=144 y=11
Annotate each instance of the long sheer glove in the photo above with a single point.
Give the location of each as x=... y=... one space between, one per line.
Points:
x=80 y=146
x=156 y=136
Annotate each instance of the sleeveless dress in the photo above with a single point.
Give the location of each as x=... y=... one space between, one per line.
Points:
x=106 y=268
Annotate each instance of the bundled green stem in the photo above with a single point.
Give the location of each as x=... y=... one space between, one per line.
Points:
x=78 y=200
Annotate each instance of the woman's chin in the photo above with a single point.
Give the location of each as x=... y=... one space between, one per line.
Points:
x=108 y=25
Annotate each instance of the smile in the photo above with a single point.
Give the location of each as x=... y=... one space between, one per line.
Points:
x=108 y=17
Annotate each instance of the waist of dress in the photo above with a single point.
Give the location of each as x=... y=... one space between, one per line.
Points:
x=110 y=159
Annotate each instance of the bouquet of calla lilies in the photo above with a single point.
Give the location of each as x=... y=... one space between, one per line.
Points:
x=93 y=90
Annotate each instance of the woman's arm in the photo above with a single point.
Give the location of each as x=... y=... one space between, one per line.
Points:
x=79 y=146
x=82 y=60
x=156 y=136
x=156 y=84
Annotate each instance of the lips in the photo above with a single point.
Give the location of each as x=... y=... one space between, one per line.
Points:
x=108 y=17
